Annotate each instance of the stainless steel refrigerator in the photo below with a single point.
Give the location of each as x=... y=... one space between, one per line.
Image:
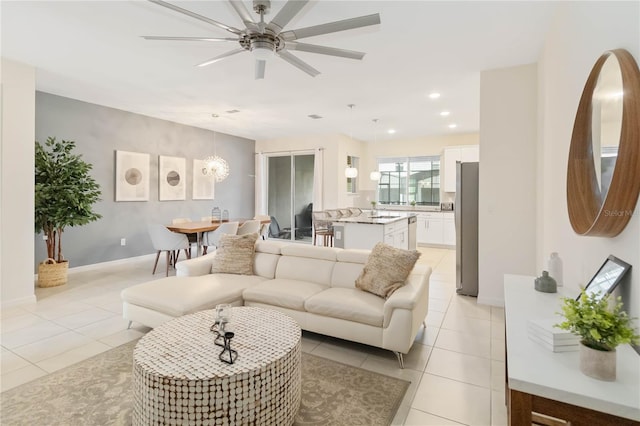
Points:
x=466 y=215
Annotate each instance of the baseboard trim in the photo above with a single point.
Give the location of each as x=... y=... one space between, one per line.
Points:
x=18 y=302
x=491 y=301
x=116 y=262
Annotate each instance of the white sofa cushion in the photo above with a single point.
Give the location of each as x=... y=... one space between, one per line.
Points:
x=177 y=296
x=283 y=292
x=312 y=252
x=305 y=269
x=348 y=304
x=264 y=264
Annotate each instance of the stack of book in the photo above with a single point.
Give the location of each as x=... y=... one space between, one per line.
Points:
x=543 y=332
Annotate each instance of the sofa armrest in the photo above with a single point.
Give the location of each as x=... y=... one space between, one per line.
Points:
x=195 y=267
x=411 y=295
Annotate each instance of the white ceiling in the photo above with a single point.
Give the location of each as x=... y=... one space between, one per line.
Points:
x=92 y=51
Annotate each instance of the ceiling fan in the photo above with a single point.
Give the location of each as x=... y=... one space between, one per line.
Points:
x=265 y=40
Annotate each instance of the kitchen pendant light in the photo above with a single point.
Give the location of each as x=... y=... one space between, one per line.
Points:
x=351 y=172
x=375 y=175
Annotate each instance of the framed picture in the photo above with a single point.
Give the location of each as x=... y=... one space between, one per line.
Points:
x=203 y=185
x=171 y=178
x=132 y=176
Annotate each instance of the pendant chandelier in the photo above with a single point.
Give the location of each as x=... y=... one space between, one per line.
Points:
x=215 y=166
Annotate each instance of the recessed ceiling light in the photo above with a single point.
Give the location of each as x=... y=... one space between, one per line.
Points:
x=434 y=95
x=314 y=116
x=453 y=126
x=445 y=113
x=215 y=115
x=391 y=131
x=232 y=111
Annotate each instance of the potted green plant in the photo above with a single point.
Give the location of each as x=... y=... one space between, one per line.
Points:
x=64 y=196
x=601 y=329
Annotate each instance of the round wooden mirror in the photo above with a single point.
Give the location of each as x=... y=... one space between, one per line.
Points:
x=603 y=174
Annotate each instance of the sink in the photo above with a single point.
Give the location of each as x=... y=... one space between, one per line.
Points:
x=383 y=217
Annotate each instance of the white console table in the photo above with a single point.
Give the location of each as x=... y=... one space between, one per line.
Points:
x=550 y=383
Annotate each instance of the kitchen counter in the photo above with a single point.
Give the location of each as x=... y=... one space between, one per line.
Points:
x=365 y=231
x=379 y=218
x=409 y=208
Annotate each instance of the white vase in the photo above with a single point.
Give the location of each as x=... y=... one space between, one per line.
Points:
x=554 y=266
x=600 y=365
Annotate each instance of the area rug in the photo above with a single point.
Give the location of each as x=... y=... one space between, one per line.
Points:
x=98 y=391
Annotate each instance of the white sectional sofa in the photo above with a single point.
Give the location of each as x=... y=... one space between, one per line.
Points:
x=313 y=285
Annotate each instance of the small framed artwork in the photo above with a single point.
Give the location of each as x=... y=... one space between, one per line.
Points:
x=171 y=178
x=203 y=185
x=132 y=176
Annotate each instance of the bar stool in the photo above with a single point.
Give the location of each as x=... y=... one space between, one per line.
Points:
x=322 y=228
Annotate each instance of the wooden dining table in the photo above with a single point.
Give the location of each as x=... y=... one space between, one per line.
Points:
x=200 y=227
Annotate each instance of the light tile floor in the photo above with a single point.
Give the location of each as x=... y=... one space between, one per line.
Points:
x=456 y=367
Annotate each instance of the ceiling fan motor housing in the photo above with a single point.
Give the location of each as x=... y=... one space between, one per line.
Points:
x=261 y=6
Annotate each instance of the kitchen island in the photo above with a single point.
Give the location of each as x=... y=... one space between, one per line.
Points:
x=366 y=230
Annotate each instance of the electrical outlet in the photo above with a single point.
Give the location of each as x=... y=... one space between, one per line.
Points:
x=123 y=241
x=44 y=237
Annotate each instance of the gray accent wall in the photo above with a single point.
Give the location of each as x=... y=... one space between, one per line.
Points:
x=98 y=132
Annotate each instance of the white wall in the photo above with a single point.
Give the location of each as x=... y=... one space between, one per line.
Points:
x=507 y=193
x=579 y=34
x=16 y=183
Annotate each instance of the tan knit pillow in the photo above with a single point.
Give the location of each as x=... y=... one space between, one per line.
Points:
x=386 y=270
x=234 y=254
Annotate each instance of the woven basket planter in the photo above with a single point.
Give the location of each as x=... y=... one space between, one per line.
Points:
x=52 y=273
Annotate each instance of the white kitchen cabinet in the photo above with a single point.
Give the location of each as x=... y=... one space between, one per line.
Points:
x=451 y=155
x=449 y=229
x=470 y=154
x=436 y=228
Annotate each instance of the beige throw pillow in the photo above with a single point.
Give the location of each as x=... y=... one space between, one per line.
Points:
x=234 y=254
x=386 y=269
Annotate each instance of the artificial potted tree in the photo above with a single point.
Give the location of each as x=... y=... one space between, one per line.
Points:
x=64 y=196
x=601 y=329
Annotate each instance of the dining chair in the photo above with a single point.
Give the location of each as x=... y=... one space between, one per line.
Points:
x=193 y=238
x=355 y=211
x=170 y=242
x=264 y=227
x=212 y=238
x=249 y=227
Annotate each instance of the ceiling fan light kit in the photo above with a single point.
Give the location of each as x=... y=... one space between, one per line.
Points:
x=267 y=40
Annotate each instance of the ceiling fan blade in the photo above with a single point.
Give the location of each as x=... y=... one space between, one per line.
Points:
x=286 y=14
x=331 y=27
x=260 y=65
x=189 y=38
x=244 y=14
x=298 y=63
x=220 y=57
x=196 y=16
x=324 y=50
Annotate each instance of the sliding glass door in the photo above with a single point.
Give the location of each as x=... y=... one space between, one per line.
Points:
x=290 y=196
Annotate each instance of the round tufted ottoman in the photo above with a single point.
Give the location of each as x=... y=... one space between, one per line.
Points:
x=179 y=380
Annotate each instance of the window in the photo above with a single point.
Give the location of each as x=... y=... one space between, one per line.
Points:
x=405 y=180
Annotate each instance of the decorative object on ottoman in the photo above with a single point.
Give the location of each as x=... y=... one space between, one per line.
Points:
x=601 y=330
x=386 y=270
x=545 y=283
